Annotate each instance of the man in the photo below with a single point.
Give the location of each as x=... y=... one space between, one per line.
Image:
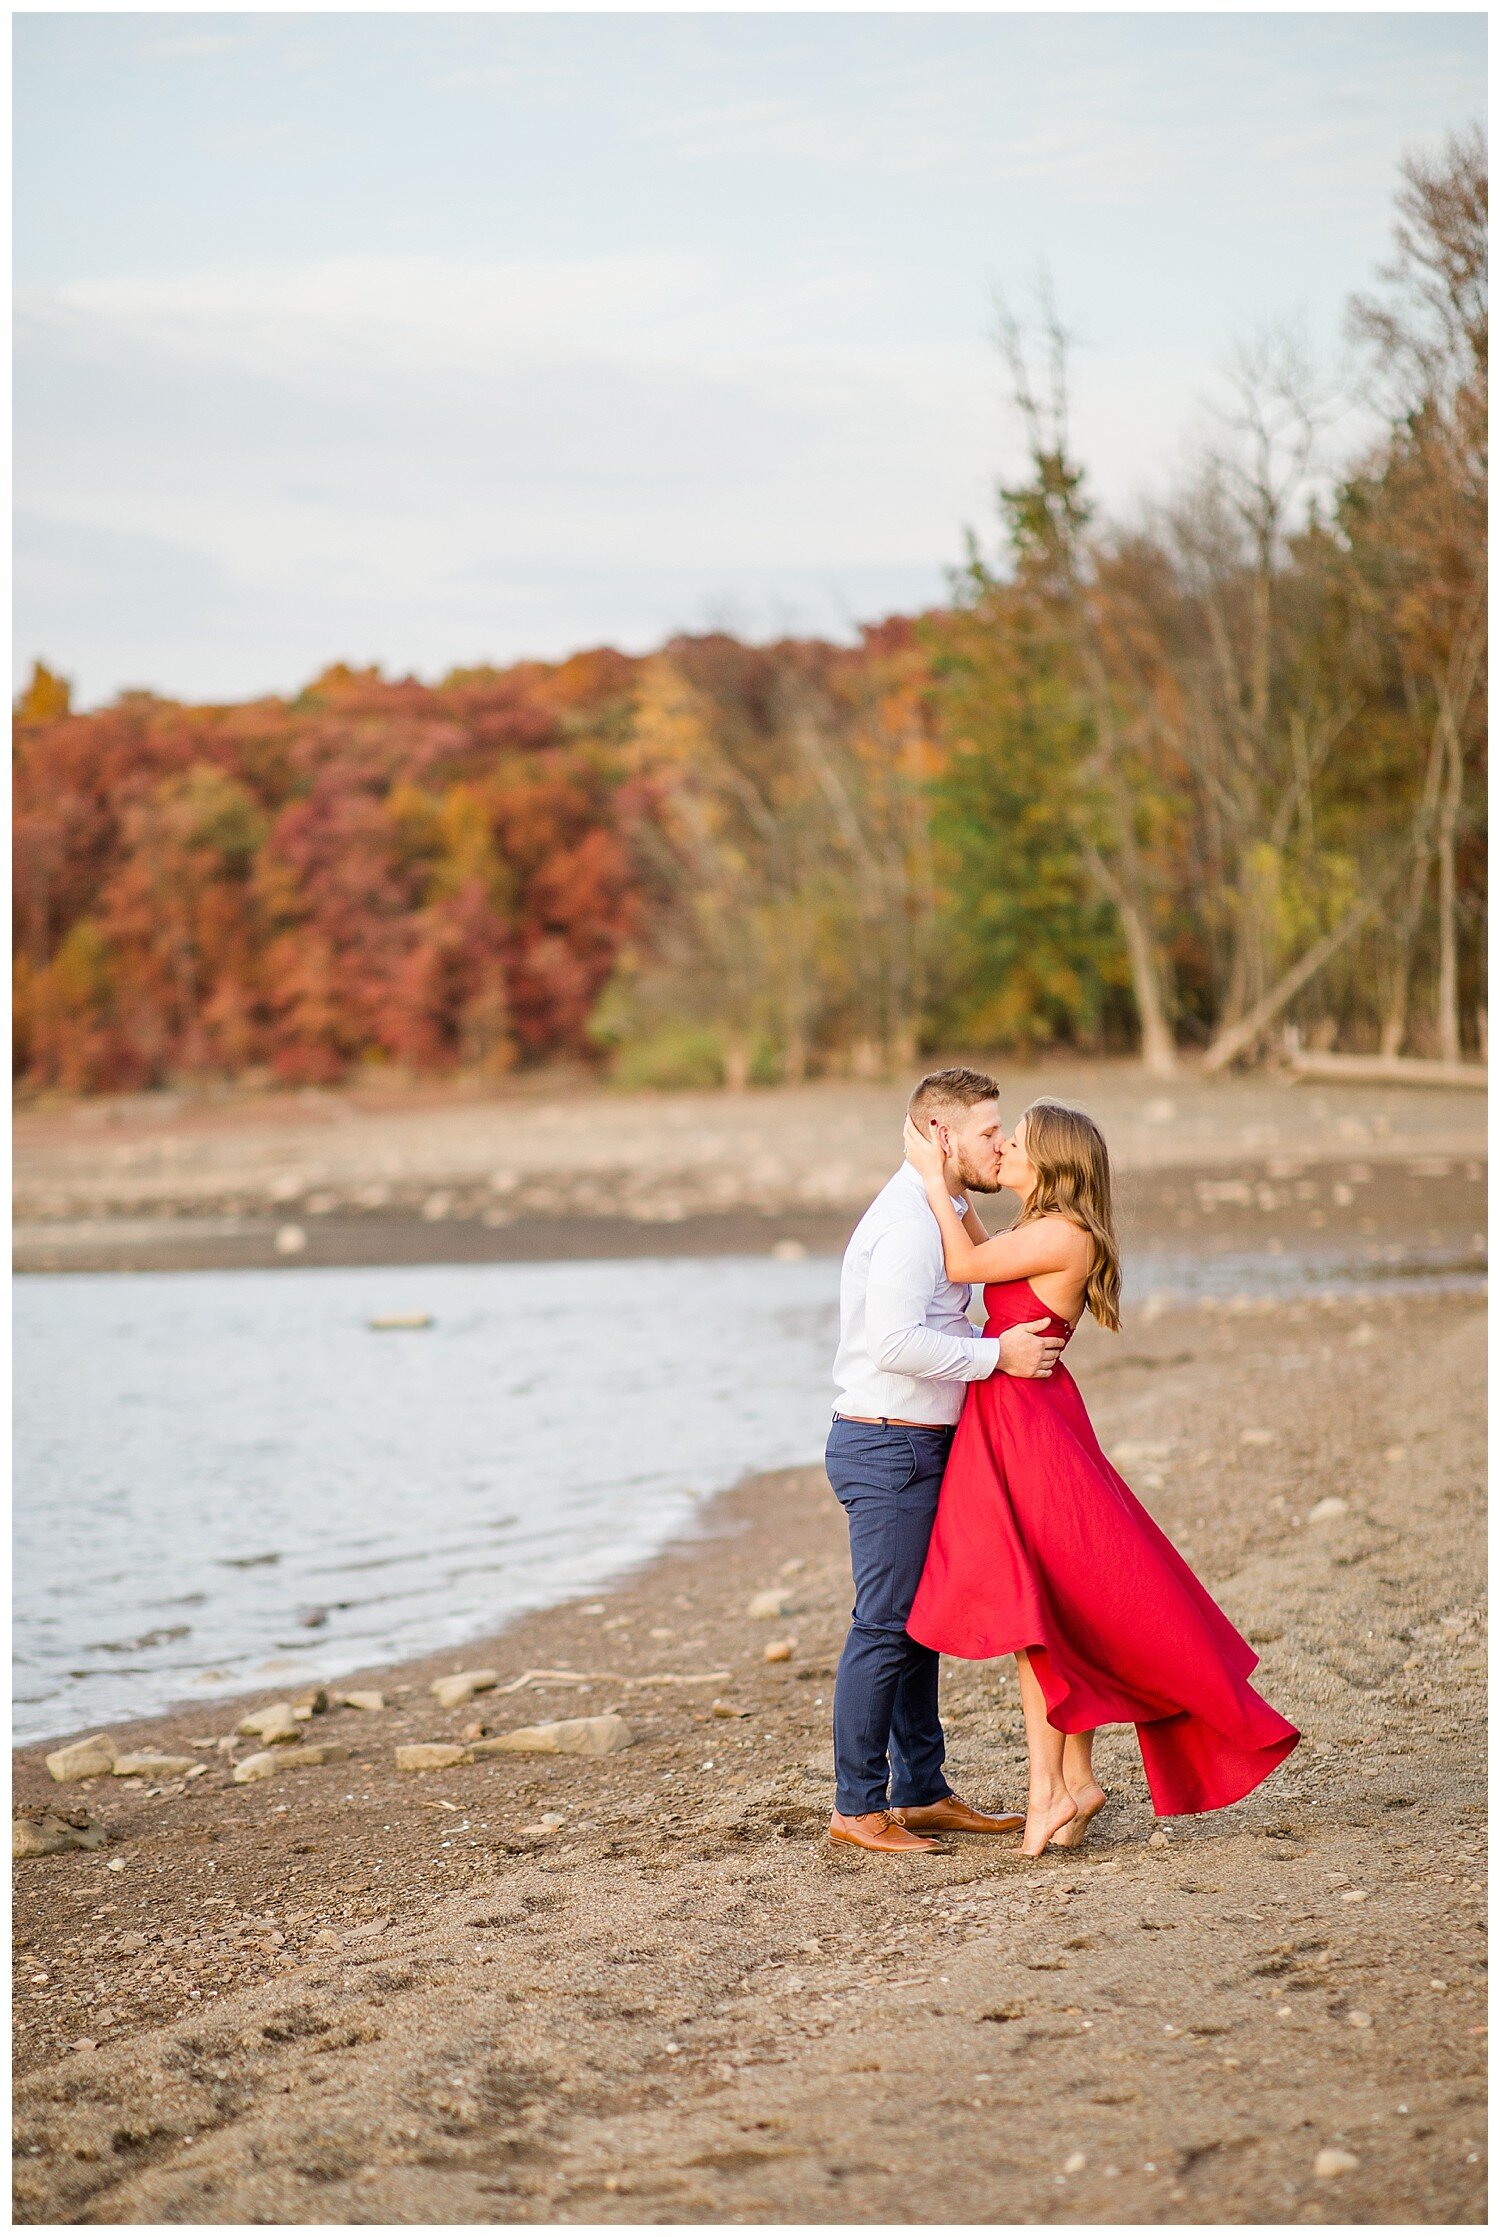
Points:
x=906 y=1350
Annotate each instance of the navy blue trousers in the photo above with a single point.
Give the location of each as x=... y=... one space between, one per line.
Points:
x=887 y=1741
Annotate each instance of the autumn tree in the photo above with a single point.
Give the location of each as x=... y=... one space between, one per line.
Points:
x=1413 y=519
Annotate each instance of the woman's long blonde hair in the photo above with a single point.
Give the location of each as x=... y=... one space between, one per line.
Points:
x=1072 y=1178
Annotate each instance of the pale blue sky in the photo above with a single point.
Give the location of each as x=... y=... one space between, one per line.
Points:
x=429 y=339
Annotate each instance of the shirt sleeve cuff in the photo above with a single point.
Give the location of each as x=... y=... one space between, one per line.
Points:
x=988 y=1349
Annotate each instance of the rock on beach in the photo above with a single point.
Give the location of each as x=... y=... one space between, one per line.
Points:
x=452 y=1692
x=275 y=1724
x=93 y=1758
x=266 y=1762
x=431 y=1755
x=263 y=1765
x=44 y=1832
x=146 y=1764
x=1328 y=1510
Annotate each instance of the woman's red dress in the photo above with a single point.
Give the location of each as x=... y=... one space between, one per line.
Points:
x=1040 y=1544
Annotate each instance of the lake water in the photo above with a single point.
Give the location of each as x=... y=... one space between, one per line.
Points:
x=205 y=1463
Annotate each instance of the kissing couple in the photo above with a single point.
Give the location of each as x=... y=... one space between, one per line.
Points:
x=984 y=1518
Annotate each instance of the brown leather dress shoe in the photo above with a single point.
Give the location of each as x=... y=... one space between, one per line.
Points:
x=953 y=1815
x=879 y=1830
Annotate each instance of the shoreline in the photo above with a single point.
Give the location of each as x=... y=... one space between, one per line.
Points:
x=223 y=1706
x=350 y=1993
x=565 y=1168
x=200 y=1702
x=406 y=1674
x=1259 y=1236
x=234 y=1243
x=1369 y=1203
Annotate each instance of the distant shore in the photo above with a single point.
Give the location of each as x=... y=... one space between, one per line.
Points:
x=577 y=1172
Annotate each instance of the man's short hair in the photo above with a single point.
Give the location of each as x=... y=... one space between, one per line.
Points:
x=957 y=1089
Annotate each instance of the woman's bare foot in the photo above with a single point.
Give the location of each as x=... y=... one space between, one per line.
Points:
x=1090 y=1801
x=1045 y=1817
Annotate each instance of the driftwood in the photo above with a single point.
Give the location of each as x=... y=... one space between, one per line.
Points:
x=1394 y=1071
x=1233 y=1040
x=612 y=1678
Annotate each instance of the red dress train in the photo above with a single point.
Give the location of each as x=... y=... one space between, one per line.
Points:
x=1040 y=1544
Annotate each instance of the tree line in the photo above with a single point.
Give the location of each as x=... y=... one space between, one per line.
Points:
x=1184 y=780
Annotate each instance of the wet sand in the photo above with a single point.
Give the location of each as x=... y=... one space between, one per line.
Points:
x=645 y=1988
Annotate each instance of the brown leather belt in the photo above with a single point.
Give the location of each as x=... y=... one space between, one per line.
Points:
x=894 y=1421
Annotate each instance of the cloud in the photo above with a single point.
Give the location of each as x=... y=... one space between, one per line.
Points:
x=115 y=610
x=184 y=45
x=413 y=459
x=402 y=313
x=708 y=327
x=565 y=437
x=477 y=78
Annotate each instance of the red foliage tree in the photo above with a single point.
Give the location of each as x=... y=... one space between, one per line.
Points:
x=438 y=876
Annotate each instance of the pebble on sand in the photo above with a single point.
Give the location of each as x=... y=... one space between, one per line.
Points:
x=451 y=1692
x=276 y=1723
x=364 y=1700
x=1328 y=1510
x=268 y=1761
x=1331 y=2163
x=766 y=1606
x=431 y=1755
x=93 y=1758
x=147 y=1765
x=263 y=1765
x=568 y=1736
x=777 y=1650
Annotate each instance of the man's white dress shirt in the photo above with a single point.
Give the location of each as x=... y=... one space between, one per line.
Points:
x=906 y=1343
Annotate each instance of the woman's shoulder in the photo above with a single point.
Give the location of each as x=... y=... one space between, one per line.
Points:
x=1055 y=1231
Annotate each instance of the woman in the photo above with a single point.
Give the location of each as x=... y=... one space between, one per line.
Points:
x=1041 y=1550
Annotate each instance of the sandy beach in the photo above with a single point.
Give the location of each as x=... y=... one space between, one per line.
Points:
x=645 y=1988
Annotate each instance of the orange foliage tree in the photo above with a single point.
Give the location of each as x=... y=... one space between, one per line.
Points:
x=436 y=876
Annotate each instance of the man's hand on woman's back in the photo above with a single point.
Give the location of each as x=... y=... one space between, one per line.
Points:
x=1026 y=1354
